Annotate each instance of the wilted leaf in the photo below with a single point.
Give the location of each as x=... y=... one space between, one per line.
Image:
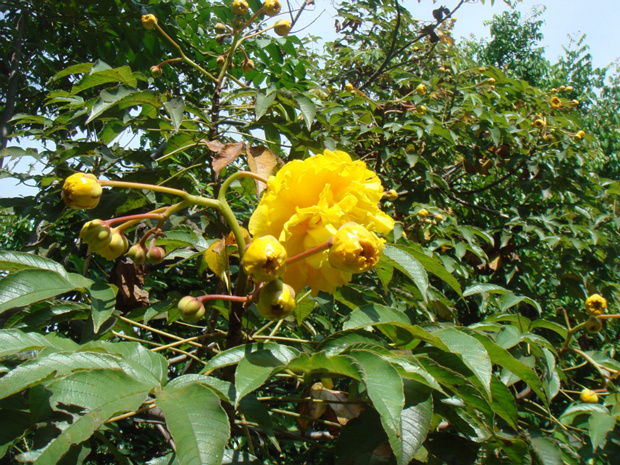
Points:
x=262 y=161
x=226 y=155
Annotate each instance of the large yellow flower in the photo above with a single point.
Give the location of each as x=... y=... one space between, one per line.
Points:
x=307 y=202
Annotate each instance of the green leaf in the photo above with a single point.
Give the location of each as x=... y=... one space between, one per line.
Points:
x=256 y=367
x=307 y=107
x=472 y=352
x=372 y=314
x=504 y=402
x=385 y=389
x=224 y=389
x=408 y=265
x=32 y=285
x=342 y=340
x=263 y=102
x=146 y=365
x=432 y=266
x=14 y=341
x=122 y=75
x=599 y=424
x=16 y=261
x=547 y=451
x=175 y=109
x=75 y=69
x=482 y=288
x=503 y=358
x=90 y=390
x=197 y=422
x=416 y=422
x=107 y=99
x=236 y=354
x=103 y=301
x=324 y=366
x=303 y=309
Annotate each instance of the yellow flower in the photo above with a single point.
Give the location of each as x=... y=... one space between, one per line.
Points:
x=282 y=27
x=391 y=195
x=580 y=135
x=81 y=191
x=272 y=7
x=240 y=7
x=117 y=246
x=276 y=300
x=149 y=21
x=596 y=305
x=96 y=234
x=588 y=396
x=355 y=249
x=423 y=213
x=555 y=102
x=265 y=259
x=306 y=203
x=539 y=123
x=421 y=109
x=421 y=89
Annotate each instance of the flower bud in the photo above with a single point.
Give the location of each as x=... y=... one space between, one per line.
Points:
x=421 y=89
x=391 y=195
x=221 y=60
x=117 y=246
x=282 y=27
x=569 y=89
x=137 y=254
x=191 y=309
x=539 y=123
x=149 y=22
x=555 y=102
x=349 y=87
x=155 y=255
x=264 y=259
x=596 y=305
x=156 y=72
x=238 y=23
x=580 y=135
x=247 y=65
x=594 y=325
x=219 y=28
x=272 y=7
x=240 y=7
x=588 y=396
x=96 y=234
x=423 y=213
x=354 y=249
x=81 y=191
x=421 y=109
x=276 y=300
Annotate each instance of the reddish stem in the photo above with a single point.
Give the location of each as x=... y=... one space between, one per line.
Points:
x=312 y=251
x=141 y=216
x=233 y=298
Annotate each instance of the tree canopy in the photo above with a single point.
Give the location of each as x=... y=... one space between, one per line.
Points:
x=397 y=249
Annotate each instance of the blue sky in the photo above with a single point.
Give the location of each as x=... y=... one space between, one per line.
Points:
x=564 y=20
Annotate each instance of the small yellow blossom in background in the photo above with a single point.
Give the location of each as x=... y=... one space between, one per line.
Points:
x=355 y=249
x=81 y=191
x=276 y=300
x=580 y=135
x=149 y=22
x=423 y=213
x=555 y=102
x=421 y=89
x=282 y=27
x=588 y=396
x=265 y=259
x=596 y=305
x=349 y=87
x=539 y=123
x=421 y=109
x=391 y=195
x=306 y=203
x=272 y=7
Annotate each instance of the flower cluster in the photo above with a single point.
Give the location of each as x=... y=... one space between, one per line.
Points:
x=307 y=202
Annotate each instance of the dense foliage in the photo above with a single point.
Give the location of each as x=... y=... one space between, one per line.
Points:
x=484 y=333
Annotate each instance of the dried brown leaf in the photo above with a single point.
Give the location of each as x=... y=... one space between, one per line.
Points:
x=226 y=155
x=262 y=161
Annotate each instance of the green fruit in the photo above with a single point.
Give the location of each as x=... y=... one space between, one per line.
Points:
x=191 y=309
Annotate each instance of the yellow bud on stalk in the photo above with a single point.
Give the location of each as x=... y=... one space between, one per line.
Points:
x=276 y=300
x=247 y=65
x=391 y=195
x=191 y=309
x=421 y=89
x=156 y=72
x=219 y=28
x=265 y=259
x=596 y=305
x=272 y=7
x=421 y=109
x=96 y=234
x=580 y=135
x=117 y=246
x=354 y=249
x=240 y=7
x=149 y=22
x=81 y=191
x=423 y=213
x=588 y=396
x=137 y=254
x=282 y=27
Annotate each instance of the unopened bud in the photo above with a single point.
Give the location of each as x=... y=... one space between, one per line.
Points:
x=156 y=71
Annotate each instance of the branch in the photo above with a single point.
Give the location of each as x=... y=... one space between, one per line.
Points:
x=390 y=53
x=476 y=207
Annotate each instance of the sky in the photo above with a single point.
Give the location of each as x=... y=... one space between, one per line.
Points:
x=564 y=20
